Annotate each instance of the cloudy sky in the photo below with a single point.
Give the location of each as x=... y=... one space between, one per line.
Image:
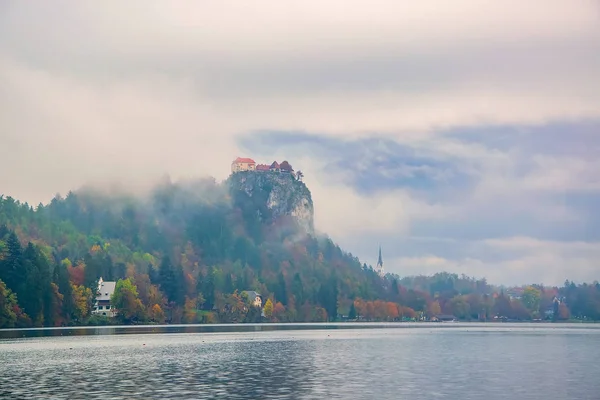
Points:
x=462 y=136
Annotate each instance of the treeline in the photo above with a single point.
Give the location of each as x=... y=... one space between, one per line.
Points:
x=184 y=253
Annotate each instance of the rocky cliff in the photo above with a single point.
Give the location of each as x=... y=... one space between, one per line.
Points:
x=273 y=199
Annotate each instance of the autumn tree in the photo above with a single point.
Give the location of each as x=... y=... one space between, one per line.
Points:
x=125 y=300
x=268 y=309
x=433 y=309
x=9 y=308
x=279 y=311
x=156 y=314
x=531 y=299
x=82 y=302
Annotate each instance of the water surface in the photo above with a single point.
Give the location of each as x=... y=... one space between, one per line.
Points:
x=386 y=361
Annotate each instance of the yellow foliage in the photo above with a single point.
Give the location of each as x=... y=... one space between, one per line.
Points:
x=157 y=314
x=82 y=298
x=268 y=308
x=189 y=311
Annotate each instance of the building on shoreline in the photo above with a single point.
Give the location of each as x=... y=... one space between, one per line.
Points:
x=102 y=304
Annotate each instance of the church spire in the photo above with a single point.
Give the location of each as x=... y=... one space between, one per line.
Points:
x=379 y=268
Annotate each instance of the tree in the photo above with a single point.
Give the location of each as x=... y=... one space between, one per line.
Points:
x=278 y=311
x=125 y=299
x=298 y=288
x=434 y=309
x=459 y=307
x=11 y=262
x=9 y=308
x=171 y=281
x=156 y=314
x=352 y=312
x=61 y=279
x=82 y=302
x=328 y=296
x=531 y=299
x=280 y=289
x=563 y=312
x=189 y=311
x=54 y=314
x=268 y=309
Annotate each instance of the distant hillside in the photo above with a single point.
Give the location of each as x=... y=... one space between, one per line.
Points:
x=197 y=242
x=191 y=251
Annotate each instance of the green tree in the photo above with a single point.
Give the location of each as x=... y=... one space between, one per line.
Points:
x=125 y=299
x=531 y=299
x=171 y=281
x=352 y=312
x=9 y=308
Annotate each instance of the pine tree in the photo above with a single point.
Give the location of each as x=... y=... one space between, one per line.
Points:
x=352 y=312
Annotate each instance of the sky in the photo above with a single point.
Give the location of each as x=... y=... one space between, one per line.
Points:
x=460 y=136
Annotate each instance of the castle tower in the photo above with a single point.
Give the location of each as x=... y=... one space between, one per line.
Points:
x=379 y=267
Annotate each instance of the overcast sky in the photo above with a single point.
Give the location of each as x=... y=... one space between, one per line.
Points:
x=462 y=136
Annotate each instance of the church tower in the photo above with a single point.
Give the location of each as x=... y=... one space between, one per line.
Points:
x=379 y=267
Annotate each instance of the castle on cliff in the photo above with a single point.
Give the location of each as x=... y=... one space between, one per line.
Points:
x=241 y=164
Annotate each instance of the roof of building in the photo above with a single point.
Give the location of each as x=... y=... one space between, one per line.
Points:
x=286 y=166
x=275 y=164
x=262 y=167
x=244 y=160
x=251 y=294
x=106 y=290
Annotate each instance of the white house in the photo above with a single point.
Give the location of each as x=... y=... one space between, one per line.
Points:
x=243 y=164
x=102 y=304
x=254 y=298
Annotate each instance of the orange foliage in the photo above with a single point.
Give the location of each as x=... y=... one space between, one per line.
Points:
x=76 y=273
x=563 y=312
x=56 y=305
x=278 y=311
x=157 y=314
x=189 y=311
x=381 y=310
x=434 y=308
x=190 y=285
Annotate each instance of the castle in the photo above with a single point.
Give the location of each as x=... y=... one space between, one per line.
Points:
x=241 y=164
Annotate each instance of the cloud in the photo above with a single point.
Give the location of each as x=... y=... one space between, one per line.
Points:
x=465 y=121
x=523 y=259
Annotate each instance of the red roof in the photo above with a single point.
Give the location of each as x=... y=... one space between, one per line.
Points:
x=244 y=160
x=286 y=166
x=262 y=167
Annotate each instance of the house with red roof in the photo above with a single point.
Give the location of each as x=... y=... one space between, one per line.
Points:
x=274 y=167
x=262 y=167
x=243 y=164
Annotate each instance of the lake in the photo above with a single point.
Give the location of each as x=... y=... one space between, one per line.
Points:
x=304 y=361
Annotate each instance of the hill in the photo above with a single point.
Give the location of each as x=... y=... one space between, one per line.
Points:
x=188 y=251
x=190 y=248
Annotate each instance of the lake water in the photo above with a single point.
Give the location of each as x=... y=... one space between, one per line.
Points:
x=310 y=361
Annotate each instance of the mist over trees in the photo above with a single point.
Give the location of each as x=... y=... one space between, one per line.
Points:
x=187 y=252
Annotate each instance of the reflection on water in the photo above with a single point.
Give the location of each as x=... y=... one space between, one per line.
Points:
x=464 y=362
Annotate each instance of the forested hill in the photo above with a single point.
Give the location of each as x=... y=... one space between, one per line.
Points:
x=186 y=252
x=189 y=248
